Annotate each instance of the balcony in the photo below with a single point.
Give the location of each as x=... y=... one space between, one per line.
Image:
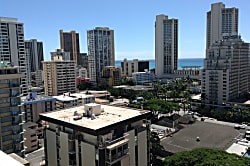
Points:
x=116 y=154
x=109 y=142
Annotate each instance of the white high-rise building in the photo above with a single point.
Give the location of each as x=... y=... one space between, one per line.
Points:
x=226 y=71
x=101 y=51
x=166 y=45
x=12 y=48
x=221 y=20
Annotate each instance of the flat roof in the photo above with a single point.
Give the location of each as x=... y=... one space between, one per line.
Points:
x=38 y=98
x=211 y=136
x=237 y=149
x=110 y=116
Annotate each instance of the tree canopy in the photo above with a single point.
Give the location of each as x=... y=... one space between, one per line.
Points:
x=206 y=157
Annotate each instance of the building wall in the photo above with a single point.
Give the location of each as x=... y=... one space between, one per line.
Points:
x=51 y=152
x=11 y=111
x=88 y=154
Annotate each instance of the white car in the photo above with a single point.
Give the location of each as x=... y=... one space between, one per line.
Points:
x=240 y=126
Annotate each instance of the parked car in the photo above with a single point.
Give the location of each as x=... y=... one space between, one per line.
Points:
x=240 y=126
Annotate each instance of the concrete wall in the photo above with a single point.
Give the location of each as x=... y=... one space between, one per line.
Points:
x=88 y=154
x=131 y=145
x=51 y=147
x=64 y=149
x=142 y=148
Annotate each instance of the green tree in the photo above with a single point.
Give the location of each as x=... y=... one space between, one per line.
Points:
x=206 y=157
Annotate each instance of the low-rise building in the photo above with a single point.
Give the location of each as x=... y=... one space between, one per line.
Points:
x=35 y=104
x=96 y=134
x=68 y=100
x=142 y=78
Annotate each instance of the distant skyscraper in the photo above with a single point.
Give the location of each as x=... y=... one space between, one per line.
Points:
x=83 y=60
x=70 y=43
x=12 y=47
x=226 y=71
x=221 y=20
x=35 y=52
x=101 y=51
x=166 y=45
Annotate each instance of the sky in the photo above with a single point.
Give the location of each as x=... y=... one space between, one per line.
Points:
x=132 y=21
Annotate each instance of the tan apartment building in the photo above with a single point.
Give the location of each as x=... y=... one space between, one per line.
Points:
x=96 y=134
x=59 y=76
x=129 y=67
x=111 y=76
x=11 y=111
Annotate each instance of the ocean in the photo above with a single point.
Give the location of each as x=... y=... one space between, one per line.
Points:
x=181 y=62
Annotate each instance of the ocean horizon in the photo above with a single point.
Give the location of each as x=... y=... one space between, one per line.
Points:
x=181 y=62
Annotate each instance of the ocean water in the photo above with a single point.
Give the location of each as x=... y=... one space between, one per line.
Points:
x=181 y=62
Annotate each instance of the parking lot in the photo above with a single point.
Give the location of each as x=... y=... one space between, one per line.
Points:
x=211 y=136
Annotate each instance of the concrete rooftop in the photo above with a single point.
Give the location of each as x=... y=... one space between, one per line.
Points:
x=111 y=115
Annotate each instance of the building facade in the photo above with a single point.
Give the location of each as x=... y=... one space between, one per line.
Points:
x=35 y=51
x=30 y=135
x=97 y=135
x=111 y=76
x=166 y=45
x=83 y=60
x=142 y=78
x=12 y=47
x=34 y=104
x=69 y=42
x=129 y=67
x=221 y=20
x=226 y=71
x=59 y=76
x=11 y=111
x=60 y=53
x=101 y=51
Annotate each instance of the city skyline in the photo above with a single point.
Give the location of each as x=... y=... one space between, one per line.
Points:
x=132 y=22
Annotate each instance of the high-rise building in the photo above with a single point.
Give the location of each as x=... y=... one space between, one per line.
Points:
x=35 y=52
x=11 y=113
x=129 y=67
x=226 y=71
x=59 y=76
x=69 y=42
x=221 y=20
x=101 y=51
x=166 y=45
x=94 y=134
x=12 y=47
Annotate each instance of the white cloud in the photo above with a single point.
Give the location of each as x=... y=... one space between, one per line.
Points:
x=141 y=55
